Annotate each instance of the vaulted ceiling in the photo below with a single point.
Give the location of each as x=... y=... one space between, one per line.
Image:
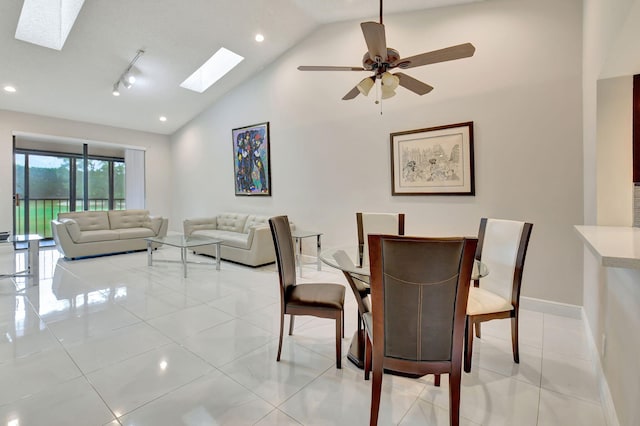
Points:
x=75 y=83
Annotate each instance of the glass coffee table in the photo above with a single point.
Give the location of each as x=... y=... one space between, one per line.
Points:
x=184 y=243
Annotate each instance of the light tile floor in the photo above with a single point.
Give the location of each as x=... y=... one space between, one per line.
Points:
x=111 y=341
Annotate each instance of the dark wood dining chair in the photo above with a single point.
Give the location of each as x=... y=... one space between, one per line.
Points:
x=419 y=293
x=502 y=247
x=324 y=300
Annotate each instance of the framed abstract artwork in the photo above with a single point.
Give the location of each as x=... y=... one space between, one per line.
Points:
x=433 y=161
x=251 y=163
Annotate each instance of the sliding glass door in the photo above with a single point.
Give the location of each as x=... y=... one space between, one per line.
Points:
x=46 y=184
x=41 y=191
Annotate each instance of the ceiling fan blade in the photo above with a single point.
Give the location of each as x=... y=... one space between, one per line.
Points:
x=352 y=94
x=447 y=54
x=410 y=83
x=328 y=68
x=376 y=41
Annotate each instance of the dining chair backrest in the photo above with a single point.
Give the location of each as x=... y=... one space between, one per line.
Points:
x=285 y=253
x=498 y=248
x=376 y=223
x=419 y=290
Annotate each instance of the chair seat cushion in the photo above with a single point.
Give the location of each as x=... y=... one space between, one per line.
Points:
x=320 y=295
x=482 y=301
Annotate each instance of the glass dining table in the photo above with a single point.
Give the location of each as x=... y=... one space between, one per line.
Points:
x=346 y=260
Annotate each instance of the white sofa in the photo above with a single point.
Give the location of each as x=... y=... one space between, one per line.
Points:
x=245 y=238
x=92 y=233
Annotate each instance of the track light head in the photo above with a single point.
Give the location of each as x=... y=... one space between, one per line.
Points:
x=127 y=79
x=126 y=83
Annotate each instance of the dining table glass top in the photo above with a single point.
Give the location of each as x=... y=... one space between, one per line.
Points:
x=345 y=258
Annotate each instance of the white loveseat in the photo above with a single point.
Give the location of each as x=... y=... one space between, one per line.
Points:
x=92 y=233
x=245 y=238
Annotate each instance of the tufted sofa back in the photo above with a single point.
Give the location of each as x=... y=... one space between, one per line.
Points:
x=231 y=221
x=121 y=219
x=255 y=220
x=89 y=220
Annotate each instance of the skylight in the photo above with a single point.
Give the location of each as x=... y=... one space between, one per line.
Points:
x=211 y=71
x=47 y=23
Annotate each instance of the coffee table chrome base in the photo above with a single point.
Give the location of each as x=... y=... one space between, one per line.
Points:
x=183 y=258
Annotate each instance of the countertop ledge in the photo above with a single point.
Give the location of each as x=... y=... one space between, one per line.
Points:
x=615 y=246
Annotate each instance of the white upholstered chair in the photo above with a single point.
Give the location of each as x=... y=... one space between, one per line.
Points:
x=502 y=247
x=376 y=223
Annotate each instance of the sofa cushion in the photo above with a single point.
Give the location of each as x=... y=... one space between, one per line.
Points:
x=231 y=221
x=127 y=233
x=88 y=220
x=229 y=238
x=98 y=235
x=122 y=219
x=255 y=220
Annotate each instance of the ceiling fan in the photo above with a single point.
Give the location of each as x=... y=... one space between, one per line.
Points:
x=380 y=59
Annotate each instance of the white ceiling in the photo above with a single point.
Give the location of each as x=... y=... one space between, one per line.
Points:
x=75 y=83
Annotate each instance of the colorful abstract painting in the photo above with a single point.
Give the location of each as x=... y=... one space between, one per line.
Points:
x=252 y=170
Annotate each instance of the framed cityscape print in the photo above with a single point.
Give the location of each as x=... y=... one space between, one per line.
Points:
x=433 y=161
x=251 y=163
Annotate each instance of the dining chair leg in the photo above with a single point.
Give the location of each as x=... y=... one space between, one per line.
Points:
x=339 y=340
x=291 y=321
x=342 y=314
x=477 y=327
x=376 y=388
x=468 y=346
x=514 y=338
x=454 y=396
x=436 y=380
x=281 y=331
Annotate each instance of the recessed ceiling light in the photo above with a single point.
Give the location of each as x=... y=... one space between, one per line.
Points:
x=163 y=118
x=47 y=23
x=259 y=38
x=9 y=89
x=211 y=71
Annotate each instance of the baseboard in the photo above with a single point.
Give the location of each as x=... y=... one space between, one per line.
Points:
x=550 y=307
x=608 y=409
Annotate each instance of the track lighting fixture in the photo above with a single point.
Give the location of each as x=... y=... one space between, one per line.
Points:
x=127 y=79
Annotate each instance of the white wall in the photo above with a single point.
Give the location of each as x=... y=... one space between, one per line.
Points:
x=158 y=173
x=614 y=153
x=611 y=295
x=330 y=158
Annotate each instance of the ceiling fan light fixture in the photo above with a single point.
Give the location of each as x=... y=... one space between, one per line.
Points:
x=365 y=85
x=389 y=81
x=387 y=93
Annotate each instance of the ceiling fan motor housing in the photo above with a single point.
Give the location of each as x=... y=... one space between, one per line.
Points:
x=385 y=63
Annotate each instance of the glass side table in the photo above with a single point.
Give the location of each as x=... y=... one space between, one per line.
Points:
x=33 y=257
x=298 y=235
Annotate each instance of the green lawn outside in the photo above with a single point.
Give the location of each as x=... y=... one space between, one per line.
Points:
x=42 y=211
